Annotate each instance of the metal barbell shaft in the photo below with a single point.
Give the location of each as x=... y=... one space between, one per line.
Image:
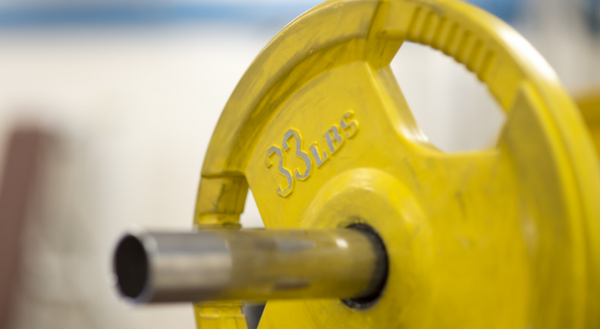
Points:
x=251 y=265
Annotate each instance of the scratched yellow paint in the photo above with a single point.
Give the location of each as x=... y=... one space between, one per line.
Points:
x=319 y=130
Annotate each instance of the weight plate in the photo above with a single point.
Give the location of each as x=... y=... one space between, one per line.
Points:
x=318 y=128
x=589 y=105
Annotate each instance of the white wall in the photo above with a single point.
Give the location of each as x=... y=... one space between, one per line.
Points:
x=135 y=111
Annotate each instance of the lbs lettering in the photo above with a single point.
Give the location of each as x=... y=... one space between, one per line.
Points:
x=335 y=137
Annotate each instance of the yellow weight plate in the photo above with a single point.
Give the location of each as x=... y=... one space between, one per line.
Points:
x=319 y=130
x=589 y=104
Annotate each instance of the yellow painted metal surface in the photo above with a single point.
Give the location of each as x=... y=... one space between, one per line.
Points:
x=220 y=315
x=589 y=104
x=318 y=128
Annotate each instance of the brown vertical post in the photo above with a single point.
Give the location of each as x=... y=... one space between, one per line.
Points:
x=22 y=163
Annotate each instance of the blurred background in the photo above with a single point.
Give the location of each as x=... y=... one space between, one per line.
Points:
x=107 y=108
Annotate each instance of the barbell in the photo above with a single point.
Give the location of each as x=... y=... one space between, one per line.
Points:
x=368 y=225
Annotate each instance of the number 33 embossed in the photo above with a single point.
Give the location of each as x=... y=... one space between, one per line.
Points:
x=334 y=138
